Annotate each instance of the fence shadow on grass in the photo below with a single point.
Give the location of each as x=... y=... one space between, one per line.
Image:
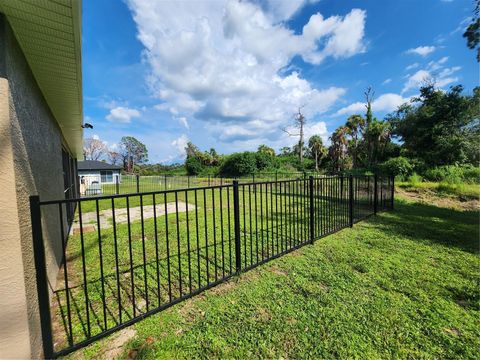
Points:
x=449 y=227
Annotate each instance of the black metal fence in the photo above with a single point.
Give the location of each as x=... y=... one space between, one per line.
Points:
x=129 y=256
x=126 y=184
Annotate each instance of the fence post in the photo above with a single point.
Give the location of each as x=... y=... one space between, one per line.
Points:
x=208 y=180
x=236 y=222
x=341 y=187
x=138 y=183
x=41 y=277
x=350 y=192
x=393 y=190
x=375 y=194
x=117 y=185
x=253 y=177
x=312 y=211
x=276 y=176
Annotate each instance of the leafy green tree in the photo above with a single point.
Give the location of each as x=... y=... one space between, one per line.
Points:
x=264 y=149
x=265 y=161
x=472 y=33
x=440 y=128
x=191 y=150
x=317 y=149
x=296 y=151
x=239 y=164
x=194 y=165
x=398 y=166
x=285 y=151
x=133 y=152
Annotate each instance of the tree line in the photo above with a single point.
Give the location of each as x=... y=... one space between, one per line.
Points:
x=130 y=152
x=436 y=128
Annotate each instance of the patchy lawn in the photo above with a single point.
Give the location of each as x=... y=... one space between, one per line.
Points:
x=402 y=284
x=461 y=192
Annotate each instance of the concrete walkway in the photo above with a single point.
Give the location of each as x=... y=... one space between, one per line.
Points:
x=89 y=220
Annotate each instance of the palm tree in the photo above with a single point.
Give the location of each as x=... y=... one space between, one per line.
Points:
x=315 y=144
x=338 y=148
x=355 y=126
x=377 y=136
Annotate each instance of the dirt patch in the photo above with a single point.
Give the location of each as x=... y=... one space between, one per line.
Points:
x=224 y=287
x=427 y=196
x=121 y=215
x=323 y=287
x=189 y=312
x=291 y=321
x=115 y=345
x=278 y=271
x=453 y=331
x=263 y=315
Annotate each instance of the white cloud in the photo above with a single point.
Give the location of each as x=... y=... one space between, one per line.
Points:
x=179 y=146
x=281 y=10
x=436 y=72
x=346 y=39
x=412 y=66
x=387 y=81
x=122 y=114
x=183 y=120
x=222 y=61
x=416 y=80
x=435 y=65
x=421 y=50
x=319 y=128
x=386 y=102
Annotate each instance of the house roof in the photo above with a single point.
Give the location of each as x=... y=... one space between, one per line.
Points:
x=96 y=165
x=49 y=33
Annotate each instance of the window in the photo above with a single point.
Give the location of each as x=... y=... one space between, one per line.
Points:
x=107 y=176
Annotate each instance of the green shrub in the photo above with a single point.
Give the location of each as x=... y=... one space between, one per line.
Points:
x=471 y=174
x=265 y=161
x=239 y=164
x=453 y=174
x=398 y=166
x=194 y=165
x=415 y=180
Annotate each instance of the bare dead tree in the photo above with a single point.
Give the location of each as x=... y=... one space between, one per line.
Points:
x=114 y=157
x=94 y=149
x=299 y=123
x=369 y=95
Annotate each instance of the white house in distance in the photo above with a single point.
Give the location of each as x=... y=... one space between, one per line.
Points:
x=94 y=173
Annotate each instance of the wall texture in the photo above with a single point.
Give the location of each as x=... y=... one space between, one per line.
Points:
x=31 y=158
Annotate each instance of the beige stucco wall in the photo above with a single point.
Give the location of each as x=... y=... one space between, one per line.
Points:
x=31 y=159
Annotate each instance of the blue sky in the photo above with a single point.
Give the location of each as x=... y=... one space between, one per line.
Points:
x=230 y=74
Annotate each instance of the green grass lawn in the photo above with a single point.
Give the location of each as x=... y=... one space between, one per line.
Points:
x=462 y=190
x=128 y=184
x=402 y=284
x=163 y=260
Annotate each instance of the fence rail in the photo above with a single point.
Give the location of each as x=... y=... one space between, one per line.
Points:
x=128 y=256
x=92 y=185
